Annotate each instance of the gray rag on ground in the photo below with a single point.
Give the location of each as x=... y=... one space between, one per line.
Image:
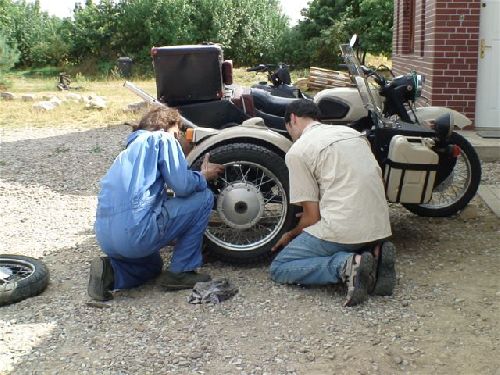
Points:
x=214 y=291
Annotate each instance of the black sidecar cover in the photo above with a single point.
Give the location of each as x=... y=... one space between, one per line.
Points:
x=188 y=74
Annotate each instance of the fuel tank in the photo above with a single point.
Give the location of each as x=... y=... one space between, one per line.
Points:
x=340 y=105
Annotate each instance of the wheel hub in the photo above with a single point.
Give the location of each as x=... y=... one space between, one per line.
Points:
x=240 y=205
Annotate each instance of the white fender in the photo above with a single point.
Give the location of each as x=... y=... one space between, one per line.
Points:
x=260 y=132
x=431 y=113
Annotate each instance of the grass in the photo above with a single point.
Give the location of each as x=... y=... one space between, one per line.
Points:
x=16 y=113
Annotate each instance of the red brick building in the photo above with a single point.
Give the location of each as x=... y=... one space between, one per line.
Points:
x=442 y=39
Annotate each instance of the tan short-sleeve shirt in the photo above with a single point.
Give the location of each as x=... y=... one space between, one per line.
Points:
x=334 y=165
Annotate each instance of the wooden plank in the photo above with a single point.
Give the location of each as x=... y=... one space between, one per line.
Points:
x=320 y=78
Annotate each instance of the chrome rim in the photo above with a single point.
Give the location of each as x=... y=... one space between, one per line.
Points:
x=453 y=188
x=14 y=270
x=251 y=207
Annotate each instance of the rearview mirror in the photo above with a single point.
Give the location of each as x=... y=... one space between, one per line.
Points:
x=354 y=40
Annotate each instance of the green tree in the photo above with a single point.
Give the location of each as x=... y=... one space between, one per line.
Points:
x=328 y=23
x=37 y=35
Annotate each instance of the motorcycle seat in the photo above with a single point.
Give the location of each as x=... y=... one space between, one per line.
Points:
x=270 y=104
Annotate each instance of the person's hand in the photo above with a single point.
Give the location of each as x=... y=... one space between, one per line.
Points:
x=283 y=241
x=186 y=146
x=210 y=170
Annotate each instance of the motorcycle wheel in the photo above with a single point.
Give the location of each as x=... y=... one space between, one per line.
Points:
x=458 y=188
x=251 y=210
x=21 y=277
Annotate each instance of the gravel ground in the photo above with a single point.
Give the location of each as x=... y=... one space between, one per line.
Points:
x=443 y=317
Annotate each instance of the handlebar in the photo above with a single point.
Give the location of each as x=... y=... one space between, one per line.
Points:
x=373 y=73
x=261 y=68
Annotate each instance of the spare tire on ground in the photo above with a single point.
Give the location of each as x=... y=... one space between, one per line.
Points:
x=21 y=277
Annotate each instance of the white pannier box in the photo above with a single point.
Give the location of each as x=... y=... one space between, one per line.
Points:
x=410 y=170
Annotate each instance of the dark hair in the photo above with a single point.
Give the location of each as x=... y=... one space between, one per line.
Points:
x=159 y=118
x=302 y=108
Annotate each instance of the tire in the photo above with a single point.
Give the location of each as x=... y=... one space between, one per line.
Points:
x=251 y=209
x=467 y=162
x=21 y=277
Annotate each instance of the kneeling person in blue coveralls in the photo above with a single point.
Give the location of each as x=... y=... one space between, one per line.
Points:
x=135 y=217
x=341 y=234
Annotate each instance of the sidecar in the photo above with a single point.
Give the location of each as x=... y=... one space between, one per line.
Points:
x=251 y=209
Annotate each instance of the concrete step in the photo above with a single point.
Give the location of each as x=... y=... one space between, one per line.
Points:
x=488 y=149
x=491 y=196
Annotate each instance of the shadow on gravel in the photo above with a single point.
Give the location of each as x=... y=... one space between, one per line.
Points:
x=71 y=163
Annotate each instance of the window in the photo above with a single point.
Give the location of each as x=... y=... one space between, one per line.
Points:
x=411 y=26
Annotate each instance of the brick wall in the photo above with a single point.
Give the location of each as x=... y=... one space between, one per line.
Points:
x=445 y=48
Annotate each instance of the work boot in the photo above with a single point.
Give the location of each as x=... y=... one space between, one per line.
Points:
x=385 y=272
x=101 y=280
x=181 y=280
x=357 y=277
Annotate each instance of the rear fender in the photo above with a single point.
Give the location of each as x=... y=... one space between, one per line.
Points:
x=258 y=132
x=431 y=113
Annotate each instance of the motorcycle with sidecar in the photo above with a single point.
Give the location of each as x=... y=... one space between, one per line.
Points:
x=428 y=168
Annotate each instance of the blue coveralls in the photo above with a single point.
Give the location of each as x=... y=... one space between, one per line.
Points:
x=135 y=218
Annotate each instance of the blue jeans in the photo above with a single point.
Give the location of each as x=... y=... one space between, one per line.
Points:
x=307 y=260
x=187 y=220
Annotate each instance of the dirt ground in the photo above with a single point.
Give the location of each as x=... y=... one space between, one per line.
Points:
x=443 y=318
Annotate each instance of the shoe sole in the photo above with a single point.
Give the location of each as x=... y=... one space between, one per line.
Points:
x=386 y=274
x=360 y=294
x=97 y=268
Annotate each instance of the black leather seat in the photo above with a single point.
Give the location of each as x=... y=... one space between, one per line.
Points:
x=270 y=104
x=213 y=114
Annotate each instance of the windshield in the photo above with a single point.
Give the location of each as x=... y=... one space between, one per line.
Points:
x=359 y=77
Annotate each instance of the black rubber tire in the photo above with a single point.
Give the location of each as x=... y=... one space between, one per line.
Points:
x=30 y=286
x=475 y=178
x=274 y=163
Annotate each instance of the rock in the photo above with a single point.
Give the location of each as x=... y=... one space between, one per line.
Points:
x=56 y=100
x=469 y=213
x=74 y=97
x=137 y=106
x=96 y=102
x=7 y=96
x=310 y=357
x=196 y=355
x=44 y=106
x=98 y=305
x=398 y=360
x=28 y=97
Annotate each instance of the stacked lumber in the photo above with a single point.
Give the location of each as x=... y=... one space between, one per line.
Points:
x=320 y=78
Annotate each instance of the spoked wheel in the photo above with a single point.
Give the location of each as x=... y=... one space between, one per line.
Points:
x=455 y=189
x=21 y=277
x=251 y=210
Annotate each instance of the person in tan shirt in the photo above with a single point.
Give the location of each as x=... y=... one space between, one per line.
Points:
x=340 y=236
